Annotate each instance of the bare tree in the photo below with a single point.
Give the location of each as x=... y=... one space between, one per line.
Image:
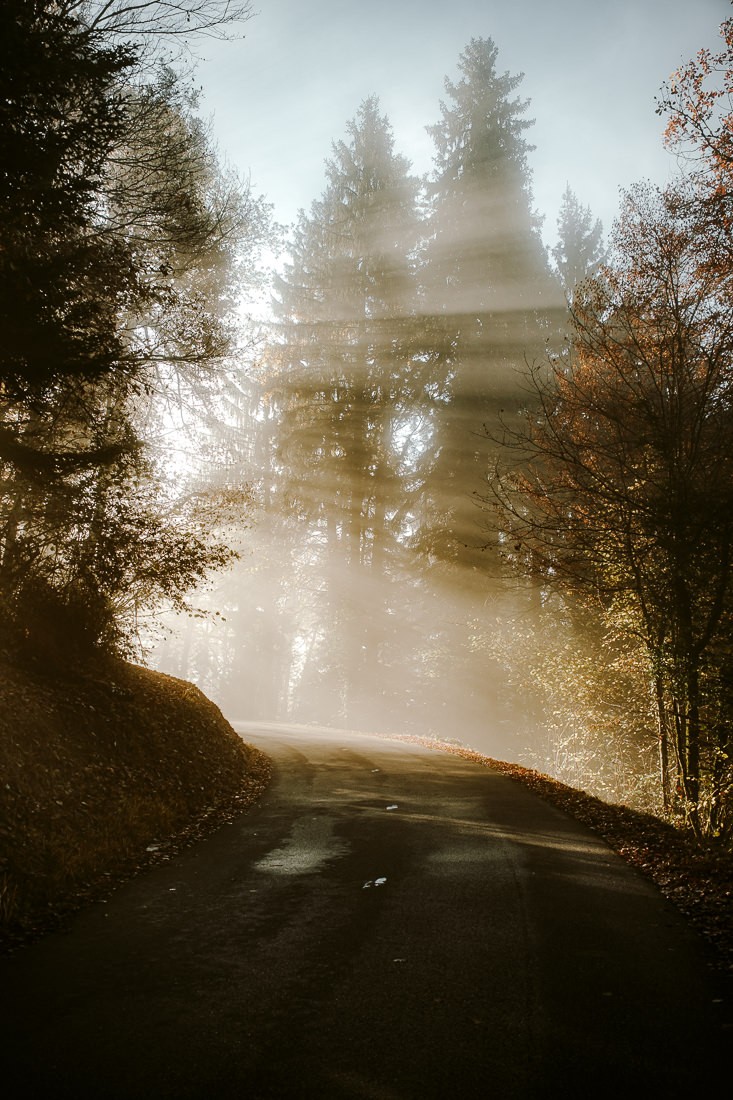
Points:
x=161 y=18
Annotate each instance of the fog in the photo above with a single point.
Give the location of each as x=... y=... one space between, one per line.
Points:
x=304 y=639
x=372 y=593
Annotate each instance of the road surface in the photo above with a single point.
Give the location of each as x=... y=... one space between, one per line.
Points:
x=388 y=922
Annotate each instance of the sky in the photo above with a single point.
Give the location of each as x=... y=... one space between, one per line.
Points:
x=278 y=98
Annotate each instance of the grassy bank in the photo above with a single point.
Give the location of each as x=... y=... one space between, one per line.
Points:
x=104 y=769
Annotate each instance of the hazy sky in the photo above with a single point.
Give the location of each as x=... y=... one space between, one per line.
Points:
x=592 y=69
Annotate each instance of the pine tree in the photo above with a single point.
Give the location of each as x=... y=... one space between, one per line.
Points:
x=62 y=286
x=490 y=291
x=117 y=236
x=579 y=251
x=350 y=444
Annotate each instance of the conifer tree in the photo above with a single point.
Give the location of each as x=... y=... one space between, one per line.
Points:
x=349 y=441
x=489 y=288
x=579 y=251
x=117 y=243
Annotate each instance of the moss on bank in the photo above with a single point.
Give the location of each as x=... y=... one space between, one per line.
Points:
x=104 y=768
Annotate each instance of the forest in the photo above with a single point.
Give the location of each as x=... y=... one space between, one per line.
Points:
x=448 y=483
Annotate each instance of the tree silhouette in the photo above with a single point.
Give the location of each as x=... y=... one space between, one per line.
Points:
x=118 y=238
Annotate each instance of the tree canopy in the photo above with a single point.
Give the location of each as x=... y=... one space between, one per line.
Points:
x=488 y=285
x=625 y=495
x=118 y=243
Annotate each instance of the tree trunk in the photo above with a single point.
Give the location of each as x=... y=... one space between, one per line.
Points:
x=686 y=711
x=664 y=776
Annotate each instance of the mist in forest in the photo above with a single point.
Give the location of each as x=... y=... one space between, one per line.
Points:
x=372 y=592
x=307 y=641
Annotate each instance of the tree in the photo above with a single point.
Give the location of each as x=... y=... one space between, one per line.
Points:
x=489 y=288
x=349 y=387
x=697 y=101
x=159 y=19
x=128 y=207
x=626 y=497
x=118 y=246
x=61 y=286
x=579 y=252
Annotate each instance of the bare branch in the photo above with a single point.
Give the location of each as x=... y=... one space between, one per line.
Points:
x=164 y=18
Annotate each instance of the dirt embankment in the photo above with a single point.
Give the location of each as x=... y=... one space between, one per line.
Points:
x=102 y=770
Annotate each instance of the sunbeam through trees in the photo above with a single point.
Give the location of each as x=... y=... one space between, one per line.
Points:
x=448 y=482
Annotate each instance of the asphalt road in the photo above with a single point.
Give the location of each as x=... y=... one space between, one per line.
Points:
x=388 y=922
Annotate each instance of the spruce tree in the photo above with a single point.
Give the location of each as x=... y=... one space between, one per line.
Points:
x=579 y=251
x=489 y=288
x=117 y=242
x=349 y=448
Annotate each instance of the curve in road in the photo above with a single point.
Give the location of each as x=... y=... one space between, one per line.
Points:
x=388 y=922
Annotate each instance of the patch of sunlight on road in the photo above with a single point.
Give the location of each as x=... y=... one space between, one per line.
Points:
x=309 y=847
